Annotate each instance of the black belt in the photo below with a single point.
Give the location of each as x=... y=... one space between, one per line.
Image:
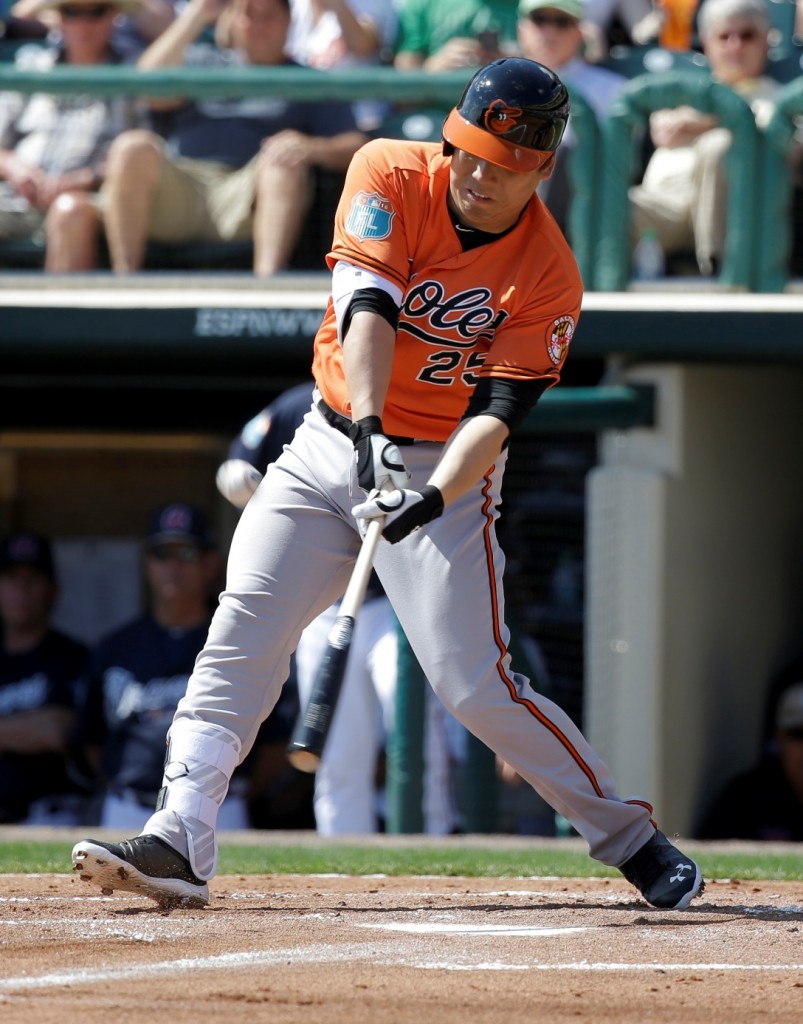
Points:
x=342 y=423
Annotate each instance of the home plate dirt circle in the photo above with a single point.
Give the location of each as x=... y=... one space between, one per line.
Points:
x=321 y=949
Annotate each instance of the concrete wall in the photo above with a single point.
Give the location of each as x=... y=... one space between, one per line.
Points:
x=694 y=579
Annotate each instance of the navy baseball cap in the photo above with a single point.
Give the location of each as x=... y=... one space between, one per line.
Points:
x=179 y=523
x=27 y=549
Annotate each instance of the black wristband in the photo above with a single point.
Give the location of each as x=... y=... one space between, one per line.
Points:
x=433 y=500
x=364 y=428
x=414 y=516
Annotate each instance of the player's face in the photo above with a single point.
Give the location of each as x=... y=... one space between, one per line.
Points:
x=179 y=572
x=26 y=597
x=488 y=197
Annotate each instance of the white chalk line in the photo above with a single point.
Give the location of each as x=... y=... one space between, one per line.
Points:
x=326 y=954
x=476 y=929
x=382 y=953
x=225 y=961
x=584 y=965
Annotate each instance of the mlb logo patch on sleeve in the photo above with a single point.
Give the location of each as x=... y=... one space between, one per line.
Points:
x=370 y=216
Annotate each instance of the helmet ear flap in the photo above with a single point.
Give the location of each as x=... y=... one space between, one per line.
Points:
x=548 y=166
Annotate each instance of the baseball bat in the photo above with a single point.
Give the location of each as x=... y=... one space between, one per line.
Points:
x=312 y=725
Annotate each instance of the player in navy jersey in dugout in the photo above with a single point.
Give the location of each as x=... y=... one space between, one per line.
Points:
x=41 y=672
x=139 y=672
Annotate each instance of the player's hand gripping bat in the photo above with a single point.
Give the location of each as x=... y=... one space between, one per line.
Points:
x=313 y=722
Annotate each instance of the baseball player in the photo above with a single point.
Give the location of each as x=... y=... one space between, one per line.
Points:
x=42 y=674
x=346 y=800
x=138 y=673
x=453 y=303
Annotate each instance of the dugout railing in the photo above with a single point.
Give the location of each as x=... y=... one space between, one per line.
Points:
x=623 y=133
x=601 y=167
x=774 y=234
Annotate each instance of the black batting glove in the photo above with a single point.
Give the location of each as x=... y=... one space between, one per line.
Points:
x=403 y=510
x=379 y=462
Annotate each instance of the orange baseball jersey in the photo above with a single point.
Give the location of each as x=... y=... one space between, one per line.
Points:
x=507 y=309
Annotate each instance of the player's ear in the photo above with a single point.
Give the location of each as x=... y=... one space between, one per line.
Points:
x=548 y=167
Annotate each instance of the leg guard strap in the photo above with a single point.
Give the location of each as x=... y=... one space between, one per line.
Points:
x=189 y=803
x=189 y=741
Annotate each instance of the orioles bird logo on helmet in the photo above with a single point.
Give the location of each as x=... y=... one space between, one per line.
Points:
x=500 y=118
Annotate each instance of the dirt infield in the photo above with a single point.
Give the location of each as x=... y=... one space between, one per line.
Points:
x=320 y=949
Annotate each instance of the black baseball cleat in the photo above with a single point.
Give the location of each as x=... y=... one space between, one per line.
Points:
x=146 y=865
x=664 y=876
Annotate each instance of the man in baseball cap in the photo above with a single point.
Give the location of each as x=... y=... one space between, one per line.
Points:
x=553 y=33
x=179 y=523
x=41 y=673
x=572 y=8
x=30 y=549
x=766 y=802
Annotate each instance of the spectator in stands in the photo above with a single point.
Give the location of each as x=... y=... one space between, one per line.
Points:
x=766 y=802
x=136 y=26
x=608 y=23
x=229 y=170
x=453 y=34
x=41 y=673
x=332 y=34
x=139 y=672
x=683 y=193
x=550 y=31
x=53 y=147
x=677 y=24
x=18 y=28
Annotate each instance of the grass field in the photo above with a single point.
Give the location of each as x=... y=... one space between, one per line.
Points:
x=472 y=857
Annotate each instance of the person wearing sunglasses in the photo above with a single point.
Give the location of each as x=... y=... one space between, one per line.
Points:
x=136 y=23
x=53 y=147
x=683 y=193
x=551 y=32
x=223 y=170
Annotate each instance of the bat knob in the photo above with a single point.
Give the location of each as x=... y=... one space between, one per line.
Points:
x=303 y=760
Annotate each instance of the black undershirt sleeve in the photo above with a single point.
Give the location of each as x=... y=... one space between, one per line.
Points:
x=372 y=300
x=508 y=400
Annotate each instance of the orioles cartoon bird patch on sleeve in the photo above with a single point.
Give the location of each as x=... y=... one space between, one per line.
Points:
x=370 y=216
x=559 y=337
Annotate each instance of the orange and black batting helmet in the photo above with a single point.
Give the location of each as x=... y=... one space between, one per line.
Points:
x=512 y=113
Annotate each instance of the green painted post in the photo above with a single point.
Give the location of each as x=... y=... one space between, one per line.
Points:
x=630 y=111
x=480 y=789
x=405 y=755
x=775 y=234
x=584 y=175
